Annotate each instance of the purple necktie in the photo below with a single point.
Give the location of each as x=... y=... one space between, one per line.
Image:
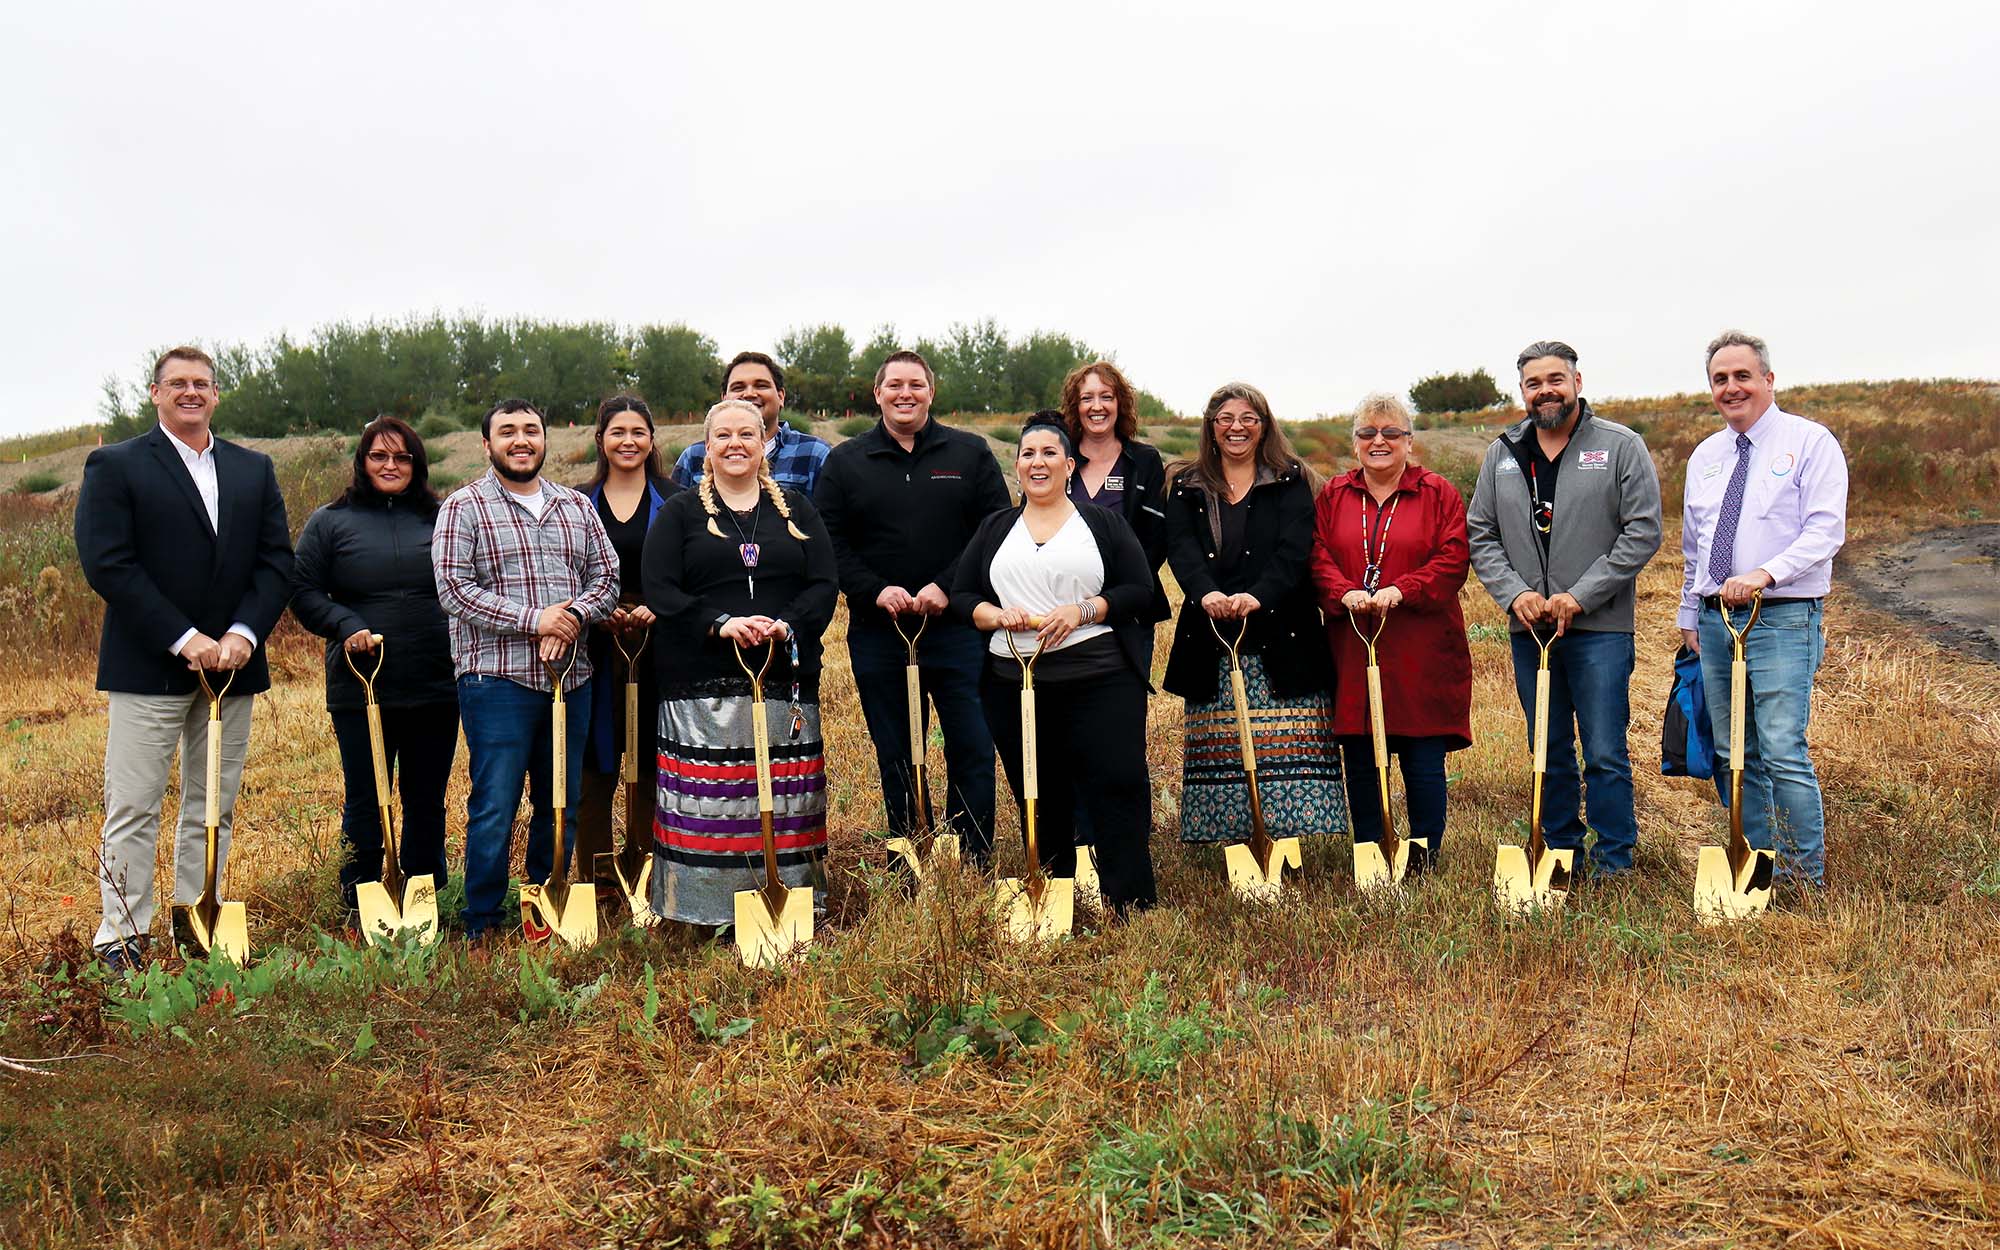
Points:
x=1722 y=556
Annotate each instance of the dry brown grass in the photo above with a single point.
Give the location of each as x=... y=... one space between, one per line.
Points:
x=1610 y=1077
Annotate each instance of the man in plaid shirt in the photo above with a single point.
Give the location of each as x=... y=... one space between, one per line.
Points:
x=523 y=567
x=795 y=457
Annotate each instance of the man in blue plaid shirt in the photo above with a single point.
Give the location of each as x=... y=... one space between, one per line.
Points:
x=523 y=567
x=795 y=458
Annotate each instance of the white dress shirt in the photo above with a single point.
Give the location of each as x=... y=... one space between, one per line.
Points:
x=1794 y=515
x=201 y=467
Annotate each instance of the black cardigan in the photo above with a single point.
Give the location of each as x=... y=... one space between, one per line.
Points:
x=692 y=577
x=1128 y=584
x=1143 y=506
x=1275 y=566
x=365 y=563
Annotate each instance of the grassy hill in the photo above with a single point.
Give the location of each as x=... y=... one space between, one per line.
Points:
x=1334 y=1070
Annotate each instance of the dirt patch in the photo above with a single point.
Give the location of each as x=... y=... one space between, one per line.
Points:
x=1949 y=578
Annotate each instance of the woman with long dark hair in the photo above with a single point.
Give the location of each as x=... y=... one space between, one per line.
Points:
x=363 y=568
x=628 y=489
x=1239 y=538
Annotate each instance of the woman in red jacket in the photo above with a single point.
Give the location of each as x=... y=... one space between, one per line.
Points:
x=1390 y=538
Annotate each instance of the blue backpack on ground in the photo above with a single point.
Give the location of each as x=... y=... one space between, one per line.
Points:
x=1687 y=740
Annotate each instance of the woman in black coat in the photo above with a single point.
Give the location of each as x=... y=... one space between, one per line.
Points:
x=1081 y=571
x=1114 y=469
x=1239 y=537
x=363 y=567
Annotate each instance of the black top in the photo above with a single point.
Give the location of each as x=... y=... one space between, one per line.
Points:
x=1541 y=473
x=628 y=539
x=1272 y=562
x=692 y=578
x=1234 y=516
x=1127 y=589
x=365 y=563
x=902 y=518
x=1112 y=494
x=148 y=550
x=1142 y=504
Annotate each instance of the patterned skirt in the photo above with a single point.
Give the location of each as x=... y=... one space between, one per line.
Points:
x=707 y=838
x=1298 y=764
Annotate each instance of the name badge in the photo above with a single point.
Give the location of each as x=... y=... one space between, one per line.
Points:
x=1114 y=482
x=1711 y=472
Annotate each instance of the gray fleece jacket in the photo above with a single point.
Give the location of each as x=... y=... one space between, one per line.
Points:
x=1606 y=525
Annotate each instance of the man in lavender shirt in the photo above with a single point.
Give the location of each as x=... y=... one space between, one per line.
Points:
x=1765 y=510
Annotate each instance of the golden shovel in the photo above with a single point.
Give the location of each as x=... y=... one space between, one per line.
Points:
x=1734 y=883
x=1386 y=862
x=1257 y=867
x=774 y=919
x=633 y=873
x=558 y=906
x=217 y=926
x=945 y=844
x=1037 y=907
x=391 y=904
x=1525 y=878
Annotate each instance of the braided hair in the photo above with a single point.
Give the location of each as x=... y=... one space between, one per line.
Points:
x=706 y=490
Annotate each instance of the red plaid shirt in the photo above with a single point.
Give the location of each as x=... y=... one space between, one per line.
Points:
x=497 y=567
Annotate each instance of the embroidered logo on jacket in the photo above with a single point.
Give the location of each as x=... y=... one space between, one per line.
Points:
x=1783 y=464
x=1600 y=459
x=946 y=475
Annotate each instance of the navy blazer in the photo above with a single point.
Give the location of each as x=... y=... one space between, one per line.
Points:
x=147 y=549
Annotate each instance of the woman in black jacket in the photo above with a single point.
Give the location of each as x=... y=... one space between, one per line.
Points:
x=1082 y=572
x=1115 y=470
x=1239 y=537
x=739 y=561
x=363 y=567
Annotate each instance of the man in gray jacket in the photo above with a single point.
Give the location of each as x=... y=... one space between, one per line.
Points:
x=1566 y=513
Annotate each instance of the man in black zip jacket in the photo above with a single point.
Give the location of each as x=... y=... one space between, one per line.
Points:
x=900 y=503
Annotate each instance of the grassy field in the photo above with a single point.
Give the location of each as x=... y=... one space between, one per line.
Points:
x=1333 y=1070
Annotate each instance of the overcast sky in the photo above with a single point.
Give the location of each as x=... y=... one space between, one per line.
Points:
x=1321 y=202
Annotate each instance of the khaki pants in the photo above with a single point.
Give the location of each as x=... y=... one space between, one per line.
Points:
x=138 y=750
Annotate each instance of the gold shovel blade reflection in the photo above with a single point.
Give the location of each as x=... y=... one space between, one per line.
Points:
x=637 y=890
x=1372 y=871
x=225 y=929
x=574 y=920
x=1517 y=889
x=1721 y=895
x=765 y=937
x=1087 y=883
x=1030 y=921
x=382 y=917
x=1260 y=884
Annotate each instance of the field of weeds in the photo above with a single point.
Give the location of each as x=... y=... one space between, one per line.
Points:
x=1332 y=1070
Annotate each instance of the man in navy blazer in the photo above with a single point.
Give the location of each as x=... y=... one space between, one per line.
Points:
x=184 y=537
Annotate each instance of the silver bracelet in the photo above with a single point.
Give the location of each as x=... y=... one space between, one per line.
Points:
x=1086 y=613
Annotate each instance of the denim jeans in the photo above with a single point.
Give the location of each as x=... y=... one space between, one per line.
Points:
x=949 y=662
x=1780 y=788
x=507 y=742
x=419 y=743
x=1590 y=687
x=1422 y=762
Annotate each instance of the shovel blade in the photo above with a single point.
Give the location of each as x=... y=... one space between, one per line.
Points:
x=1722 y=896
x=1027 y=921
x=764 y=940
x=575 y=922
x=1087 y=883
x=1373 y=872
x=946 y=846
x=227 y=929
x=1260 y=885
x=635 y=889
x=381 y=917
x=903 y=853
x=1518 y=891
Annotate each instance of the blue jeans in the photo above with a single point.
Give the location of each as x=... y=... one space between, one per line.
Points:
x=1590 y=688
x=507 y=741
x=1422 y=761
x=1780 y=788
x=949 y=661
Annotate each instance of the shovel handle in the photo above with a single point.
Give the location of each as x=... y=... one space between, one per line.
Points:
x=910 y=639
x=366 y=679
x=212 y=802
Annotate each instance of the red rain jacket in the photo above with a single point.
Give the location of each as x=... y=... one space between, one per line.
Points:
x=1426 y=665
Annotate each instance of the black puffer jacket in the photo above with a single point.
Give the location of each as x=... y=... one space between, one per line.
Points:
x=1275 y=566
x=366 y=564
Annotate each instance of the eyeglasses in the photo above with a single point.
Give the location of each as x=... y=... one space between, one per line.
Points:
x=1369 y=433
x=1249 y=421
x=200 y=386
x=387 y=457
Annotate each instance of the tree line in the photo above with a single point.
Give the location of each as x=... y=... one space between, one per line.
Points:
x=445 y=372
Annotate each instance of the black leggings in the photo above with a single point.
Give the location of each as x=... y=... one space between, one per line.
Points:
x=419 y=743
x=1090 y=738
